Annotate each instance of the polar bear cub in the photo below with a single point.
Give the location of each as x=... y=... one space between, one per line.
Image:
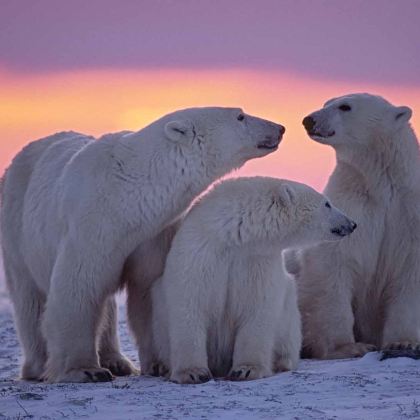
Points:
x=76 y=209
x=365 y=291
x=226 y=306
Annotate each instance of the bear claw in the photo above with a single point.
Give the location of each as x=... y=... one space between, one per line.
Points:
x=99 y=376
x=401 y=349
x=155 y=369
x=119 y=366
x=402 y=345
x=191 y=376
x=247 y=373
x=81 y=375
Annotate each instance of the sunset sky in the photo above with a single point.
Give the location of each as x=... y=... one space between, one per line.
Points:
x=100 y=66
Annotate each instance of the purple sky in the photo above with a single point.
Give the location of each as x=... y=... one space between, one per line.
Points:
x=369 y=40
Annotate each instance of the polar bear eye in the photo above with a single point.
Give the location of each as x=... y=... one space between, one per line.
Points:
x=344 y=107
x=327 y=205
x=241 y=117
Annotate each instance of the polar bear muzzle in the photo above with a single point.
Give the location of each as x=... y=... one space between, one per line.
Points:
x=270 y=142
x=313 y=129
x=344 y=229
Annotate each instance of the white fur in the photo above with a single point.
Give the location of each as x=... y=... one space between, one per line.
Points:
x=75 y=210
x=365 y=291
x=224 y=305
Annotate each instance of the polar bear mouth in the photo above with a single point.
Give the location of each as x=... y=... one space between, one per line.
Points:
x=271 y=144
x=344 y=230
x=339 y=232
x=316 y=135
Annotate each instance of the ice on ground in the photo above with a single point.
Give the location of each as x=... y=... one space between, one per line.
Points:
x=344 y=389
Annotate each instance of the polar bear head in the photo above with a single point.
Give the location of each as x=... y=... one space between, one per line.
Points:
x=310 y=216
x=221 y=138
x=356 y=121
x=262 y=209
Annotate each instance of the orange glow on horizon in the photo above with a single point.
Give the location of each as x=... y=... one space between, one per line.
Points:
x=97 y=102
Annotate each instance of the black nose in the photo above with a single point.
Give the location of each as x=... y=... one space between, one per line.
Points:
x=309 y=123
x=282 y=130
x=349 y=228
x=345 y=229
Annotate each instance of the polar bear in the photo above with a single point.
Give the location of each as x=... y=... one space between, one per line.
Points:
x=226 y=306
x=364 y=292
x=75 y=210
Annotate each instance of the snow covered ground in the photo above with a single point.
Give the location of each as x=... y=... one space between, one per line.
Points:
x=344 y=389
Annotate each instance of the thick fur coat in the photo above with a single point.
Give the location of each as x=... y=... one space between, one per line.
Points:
x=224 y=305
x=364 y=292
x=78 y=216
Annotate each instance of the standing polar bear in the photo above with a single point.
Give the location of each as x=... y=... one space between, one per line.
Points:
x=226 y=306
x=365 y=291
x=75 y=210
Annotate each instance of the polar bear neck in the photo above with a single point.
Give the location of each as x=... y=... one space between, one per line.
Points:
x=233 y=223
x=162 y=178
x=392 y=162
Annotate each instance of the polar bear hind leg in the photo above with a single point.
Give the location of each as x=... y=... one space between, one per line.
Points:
x=110 y=356
x=28 y=304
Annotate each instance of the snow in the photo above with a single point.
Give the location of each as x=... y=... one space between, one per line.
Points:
x=344 y=389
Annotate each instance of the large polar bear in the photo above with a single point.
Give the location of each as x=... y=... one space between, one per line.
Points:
x=74 y=210
x=365 y=291
x=226 y=306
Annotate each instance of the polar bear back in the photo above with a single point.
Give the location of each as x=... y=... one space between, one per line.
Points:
x=35 y=172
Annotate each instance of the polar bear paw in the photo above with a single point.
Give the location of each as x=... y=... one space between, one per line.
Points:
x=248 y=373
x=191 y=376
x=32 y=370
x=155 y=369
x=119 y=365
x=401 y=349
x=81 y=375
x=350 y=350
x=402 y=345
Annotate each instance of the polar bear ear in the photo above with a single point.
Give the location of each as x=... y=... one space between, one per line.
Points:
x=287 y=195
x=180 y=131
x=403 y=114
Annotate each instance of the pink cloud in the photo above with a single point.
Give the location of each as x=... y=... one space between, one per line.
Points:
x=359 y=40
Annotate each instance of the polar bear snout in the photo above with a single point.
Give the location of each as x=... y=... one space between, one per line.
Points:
x=264 y=135
x=282 y=131
x=271 y=142
x=309 y=123
x=344 y=229
x=315 y=129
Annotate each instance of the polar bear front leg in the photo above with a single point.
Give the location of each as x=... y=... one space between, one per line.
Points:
x=402 y=319
x=188 y=345
x=325 y=297
x=110 y=355
x=254 y=346
x=80 y=284
x=328 y=326
x=189 y=357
